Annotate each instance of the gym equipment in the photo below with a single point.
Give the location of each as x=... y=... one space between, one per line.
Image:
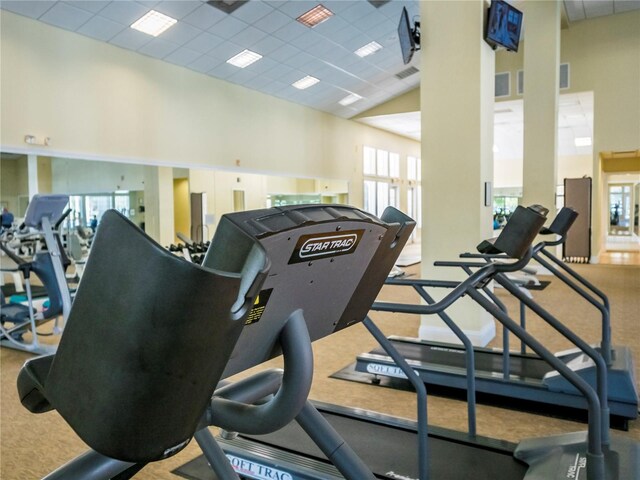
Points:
x=522 y=376
x=147 y=339
x=335 y=290
x=48 y=267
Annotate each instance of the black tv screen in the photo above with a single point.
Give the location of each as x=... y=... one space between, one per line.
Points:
x=407 y=44
x=503 y=25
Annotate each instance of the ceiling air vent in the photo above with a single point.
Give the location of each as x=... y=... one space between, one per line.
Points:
x=227 y=6
x=407 y=73
x=378 y=3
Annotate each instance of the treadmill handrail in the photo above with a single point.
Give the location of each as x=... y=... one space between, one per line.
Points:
x=595 y=456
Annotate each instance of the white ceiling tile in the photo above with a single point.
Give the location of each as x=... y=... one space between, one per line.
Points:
x=65 y=16
x=29 y=9
x=146 y=3
x=274 y=87
x=263 y=65
x=357 y=11
x=124 y=12
x=290 y=31
x=228 y=27
x=598 y=8
x=204 y=43
x=180 y=33
x=240 y=75
x=93 y=6
x=204 y=17
x=158 y=48
x=223 y=70
x=621 y=6
x=131 y=39
x=328 y=28
x=272 y=21
x=371 y=21
x=182 y=56
x=249 y=36
x=258 y=82
x=574 y=9
x=226 y=50
x=268 y=45
x=345 y=34
x=283 y=53
x=256 y=11
x=299 y=59
x=204 y=63
x=101 y=28
x=297 y=8
x=177 y=9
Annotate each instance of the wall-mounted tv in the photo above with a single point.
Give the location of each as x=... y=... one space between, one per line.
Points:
x=409 y=38
x=503 y=25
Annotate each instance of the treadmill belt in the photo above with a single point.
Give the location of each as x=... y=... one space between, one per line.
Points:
x=486 y=361
x=387 y=449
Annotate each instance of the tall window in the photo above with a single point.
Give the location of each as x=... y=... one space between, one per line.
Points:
x=380 y=168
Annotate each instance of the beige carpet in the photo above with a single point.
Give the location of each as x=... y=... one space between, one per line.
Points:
x=33 y=445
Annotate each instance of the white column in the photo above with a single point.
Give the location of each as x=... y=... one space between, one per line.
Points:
x=32 y=170
x=158 y=199
x=541 y=91
x=457 y=96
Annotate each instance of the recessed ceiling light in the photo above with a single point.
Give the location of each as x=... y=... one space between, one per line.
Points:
x=244 y=58
x=368 y=49
x=305 y=82
x=315 y=16
x=348 y=100
x=153 y=23
x=582 y=141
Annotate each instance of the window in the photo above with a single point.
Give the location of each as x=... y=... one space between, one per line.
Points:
x=369 y=155
x=382 y=163
x=394 y=165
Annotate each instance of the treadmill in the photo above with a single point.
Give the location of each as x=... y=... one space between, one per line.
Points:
x=336 y=258
x=518 y=375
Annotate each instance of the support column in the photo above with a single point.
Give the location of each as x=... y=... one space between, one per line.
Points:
x=457 y=96
x=158 y=199
x=32 y=171
x=541 y=91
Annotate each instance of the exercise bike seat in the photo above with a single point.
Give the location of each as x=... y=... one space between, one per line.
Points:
x=146 y=342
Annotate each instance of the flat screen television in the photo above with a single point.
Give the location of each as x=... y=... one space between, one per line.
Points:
x=503 y=25
x=406 y=36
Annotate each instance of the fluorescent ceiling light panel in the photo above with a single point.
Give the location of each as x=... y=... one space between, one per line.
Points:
x=315 y=16
x=153 y=23
x=368 y=49
x=583 y=141
x=348 y=100
x=244 y=58
x=305 y=82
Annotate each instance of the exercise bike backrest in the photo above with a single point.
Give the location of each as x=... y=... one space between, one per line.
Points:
x=330 y=261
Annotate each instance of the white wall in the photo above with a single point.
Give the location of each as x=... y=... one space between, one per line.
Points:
x=96 y=100
x=83 y=176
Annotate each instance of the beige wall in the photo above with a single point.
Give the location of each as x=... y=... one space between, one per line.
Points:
x=98 y=101
x=603 y=54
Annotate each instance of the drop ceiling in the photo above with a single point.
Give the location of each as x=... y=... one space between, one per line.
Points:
x=205 y=37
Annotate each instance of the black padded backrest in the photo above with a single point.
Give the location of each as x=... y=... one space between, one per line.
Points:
x=562 y=223
x=146 y=342
x=516 y=236
x=328 y=260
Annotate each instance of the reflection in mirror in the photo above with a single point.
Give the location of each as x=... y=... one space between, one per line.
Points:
x=163 y=201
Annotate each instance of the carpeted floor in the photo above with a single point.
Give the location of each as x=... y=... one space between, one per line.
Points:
x=33 y=445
